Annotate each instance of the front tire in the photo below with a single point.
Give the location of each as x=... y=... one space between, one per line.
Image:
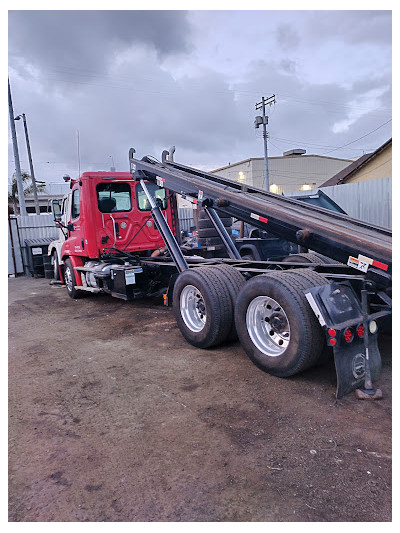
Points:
x=276 y=327
x=70 y=280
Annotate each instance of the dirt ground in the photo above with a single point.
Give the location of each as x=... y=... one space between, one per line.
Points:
x=114 y=417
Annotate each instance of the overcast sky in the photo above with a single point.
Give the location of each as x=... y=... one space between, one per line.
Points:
x=153 y=79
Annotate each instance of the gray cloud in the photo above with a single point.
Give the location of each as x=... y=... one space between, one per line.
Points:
x=147 y=80
x=90 y=39
x=355 y=27
x=287 y=37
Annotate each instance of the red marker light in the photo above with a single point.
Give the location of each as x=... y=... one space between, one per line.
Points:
x=348 y=335
x=332 y=342
x=332 y=332
x=360 y=331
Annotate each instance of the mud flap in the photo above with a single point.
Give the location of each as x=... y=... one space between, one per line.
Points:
x=350 y=365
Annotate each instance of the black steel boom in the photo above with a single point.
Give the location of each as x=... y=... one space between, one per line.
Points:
x=335 y=235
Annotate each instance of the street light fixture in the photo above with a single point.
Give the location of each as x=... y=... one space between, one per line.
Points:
x=28 y=147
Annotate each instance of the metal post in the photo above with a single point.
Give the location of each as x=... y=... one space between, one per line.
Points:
x=368 y=392
x=12 y=245
x=224 y=235
x=264 y=121
x=364 y=308
x=265 y=137
x=28 y=147
x=20 y=187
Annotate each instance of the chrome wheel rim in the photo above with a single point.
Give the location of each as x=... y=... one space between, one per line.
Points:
x=68 y=279
x=193 y=308
x=268 y=326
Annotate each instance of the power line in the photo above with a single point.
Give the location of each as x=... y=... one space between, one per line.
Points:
x=359 y=138
x=64 y=163
x=93 y=74
x=312 y=144
x=338 y=147
x=322 y=102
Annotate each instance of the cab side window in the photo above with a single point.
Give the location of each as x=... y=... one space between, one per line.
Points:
x=75 y=209
x=114 y=197
x=158 y=193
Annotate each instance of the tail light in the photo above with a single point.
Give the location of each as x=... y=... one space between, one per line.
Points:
x=360 y=331
x=348 y=335
x=332 y=334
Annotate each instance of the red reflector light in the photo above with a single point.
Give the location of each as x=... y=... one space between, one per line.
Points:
x=332 y=342
x=360 y=331
x=331 y=332
x=348 y=335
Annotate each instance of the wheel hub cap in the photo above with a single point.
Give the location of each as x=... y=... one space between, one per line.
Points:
x=193 y=308
x=68 y=278
x=268 y=326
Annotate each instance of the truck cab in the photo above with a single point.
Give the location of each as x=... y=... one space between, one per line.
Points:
x=106 y=212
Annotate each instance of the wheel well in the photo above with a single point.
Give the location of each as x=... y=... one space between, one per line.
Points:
x=249 y=249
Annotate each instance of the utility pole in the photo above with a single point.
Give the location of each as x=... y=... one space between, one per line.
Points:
x=264 y=121
x=28 y=147
x=20 y=187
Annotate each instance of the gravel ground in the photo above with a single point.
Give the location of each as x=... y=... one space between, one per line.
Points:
x=114 y=417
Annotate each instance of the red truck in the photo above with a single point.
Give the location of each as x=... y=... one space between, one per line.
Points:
x=285 y=311
x=107 y=214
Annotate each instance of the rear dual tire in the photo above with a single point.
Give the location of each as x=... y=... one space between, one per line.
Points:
x=203 y=304
x=276 y=327
x=202 y=307
x=270 y=314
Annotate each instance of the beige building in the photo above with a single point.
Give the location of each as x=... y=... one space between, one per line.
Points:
x=368 y=167
x=293 y=171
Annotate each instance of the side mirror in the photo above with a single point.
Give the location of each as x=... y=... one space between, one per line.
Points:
x=56 y=208
x=70 y=227
x=162 y=203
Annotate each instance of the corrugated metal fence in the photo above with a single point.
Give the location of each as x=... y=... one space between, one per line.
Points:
x=22 y=228
x=366 y=200
x=186 y=218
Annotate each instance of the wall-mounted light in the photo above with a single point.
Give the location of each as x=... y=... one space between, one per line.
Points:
x=273 y=188
x=305 y=187
x=242 y=177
